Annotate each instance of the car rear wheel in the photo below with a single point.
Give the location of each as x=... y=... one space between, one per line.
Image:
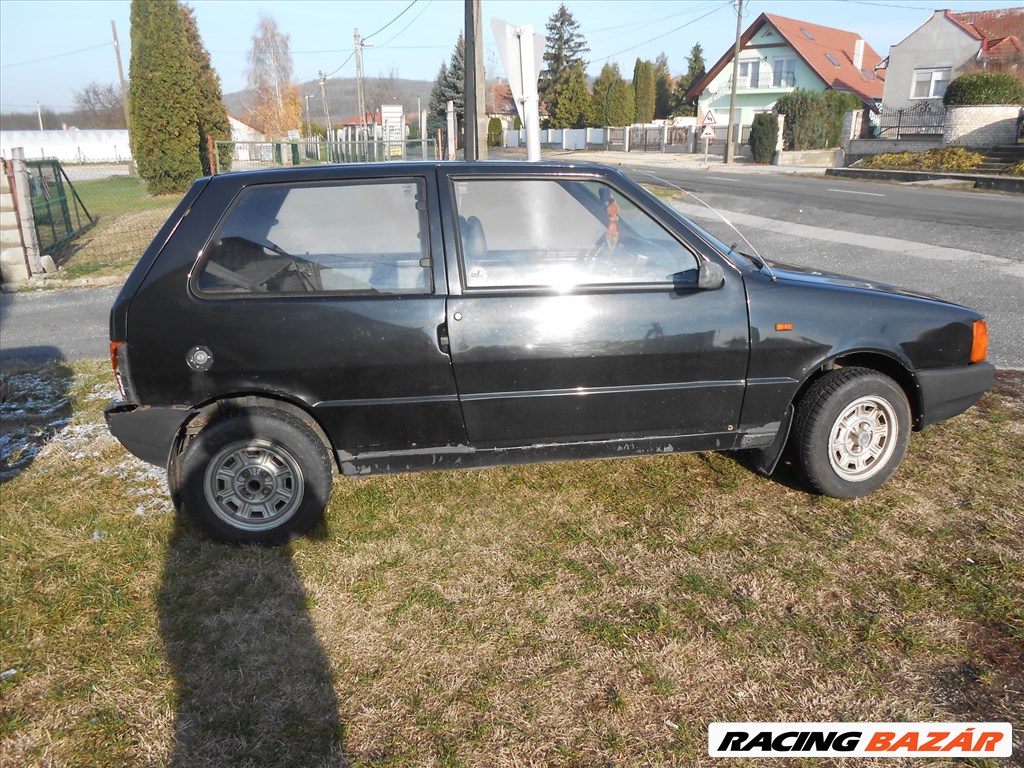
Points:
x=256 y=476
x=851 y=431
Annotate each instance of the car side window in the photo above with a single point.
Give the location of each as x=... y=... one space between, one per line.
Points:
x=562 y=233
x=367 y=237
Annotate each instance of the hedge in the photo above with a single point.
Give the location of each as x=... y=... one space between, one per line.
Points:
x=984 y=88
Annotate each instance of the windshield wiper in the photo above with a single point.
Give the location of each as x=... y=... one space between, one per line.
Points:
x=757 y=260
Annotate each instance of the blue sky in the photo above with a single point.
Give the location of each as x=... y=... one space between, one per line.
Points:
x=51 y=48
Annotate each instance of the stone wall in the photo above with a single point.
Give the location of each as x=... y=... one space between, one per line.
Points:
x=981 y=126
x=13 y=268
x=977 y=127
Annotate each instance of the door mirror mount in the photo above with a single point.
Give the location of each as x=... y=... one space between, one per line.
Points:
x=710 y=276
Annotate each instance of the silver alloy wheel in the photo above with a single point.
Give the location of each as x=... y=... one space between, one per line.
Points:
x=253 y=485
x=863 y=438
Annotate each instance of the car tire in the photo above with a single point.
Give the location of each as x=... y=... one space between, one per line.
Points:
x=850 y=432
x=254 y=476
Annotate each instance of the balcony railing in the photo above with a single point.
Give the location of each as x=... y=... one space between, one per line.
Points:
x=764 y=82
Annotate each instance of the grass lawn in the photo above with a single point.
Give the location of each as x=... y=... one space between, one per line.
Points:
x=127 y=219
x=578 y=614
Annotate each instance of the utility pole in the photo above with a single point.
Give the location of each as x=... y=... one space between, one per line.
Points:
x=476 y=131
x=730 y=149
x=359 y=85
x=327 y=117
x=39 y=114
x=306 y=97
x=120 y=76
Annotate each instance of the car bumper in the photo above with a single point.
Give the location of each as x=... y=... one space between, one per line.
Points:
x=146 y=432
x=946 y=392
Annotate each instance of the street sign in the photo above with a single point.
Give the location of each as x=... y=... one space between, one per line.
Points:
x=709 y=118
x=522 y=75
x=708 y=132
x=522 y=53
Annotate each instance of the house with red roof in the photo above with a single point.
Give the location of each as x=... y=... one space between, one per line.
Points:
x=778 y=54
x=919 y=68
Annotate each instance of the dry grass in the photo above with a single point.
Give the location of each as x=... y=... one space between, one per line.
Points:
x=593 y=613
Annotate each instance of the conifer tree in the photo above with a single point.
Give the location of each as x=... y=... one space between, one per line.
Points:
x=449 y=85
x=437 y=105
x=694 y=72
x=612 y=100
x=644 y=90
x=662 y=87
x=162 y=98
x=562 y=54
x=572 y=105
x=211 y=115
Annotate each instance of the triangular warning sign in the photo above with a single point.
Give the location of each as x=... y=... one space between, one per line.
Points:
x=709 y=118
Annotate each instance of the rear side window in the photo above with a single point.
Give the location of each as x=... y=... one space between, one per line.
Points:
x=367 y=237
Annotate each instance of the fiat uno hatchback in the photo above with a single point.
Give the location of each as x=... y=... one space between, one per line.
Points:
x=288 y=324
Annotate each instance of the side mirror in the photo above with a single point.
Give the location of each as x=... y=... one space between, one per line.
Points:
x=710 y=276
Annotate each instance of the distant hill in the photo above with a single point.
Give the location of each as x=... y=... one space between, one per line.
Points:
x=342 y=99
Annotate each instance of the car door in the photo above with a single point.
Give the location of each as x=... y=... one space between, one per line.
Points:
x=575 y=314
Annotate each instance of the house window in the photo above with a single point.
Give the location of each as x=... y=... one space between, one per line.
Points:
x=749 y=72
x=832 y=58
x=784 y=72
x=930 y=83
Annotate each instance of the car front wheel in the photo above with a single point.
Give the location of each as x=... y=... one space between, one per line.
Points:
x=851 y=431
x=255 y=476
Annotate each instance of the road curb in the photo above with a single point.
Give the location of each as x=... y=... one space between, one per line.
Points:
x=995 y=183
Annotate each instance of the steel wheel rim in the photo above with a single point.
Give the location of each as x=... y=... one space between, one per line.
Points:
x=863 y=438
x=253 y=485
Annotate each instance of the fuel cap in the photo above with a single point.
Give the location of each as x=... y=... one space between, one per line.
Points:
x=199 y=358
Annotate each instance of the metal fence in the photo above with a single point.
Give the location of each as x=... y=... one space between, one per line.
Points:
x=94 y=218
x=57 y=209
x=250 y=155
x=924 y=119
x=646 y=139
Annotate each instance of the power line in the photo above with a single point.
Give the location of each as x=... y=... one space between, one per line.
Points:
x=665 y=34
x=626 y=29
x=414 y=18
x=57 y=55
x=410 y=5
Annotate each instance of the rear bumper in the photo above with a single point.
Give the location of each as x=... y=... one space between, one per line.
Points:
x=945 y=392
x=146 y=432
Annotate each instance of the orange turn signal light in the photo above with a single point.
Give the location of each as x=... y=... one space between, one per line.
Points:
x=114 y=346
x=783 y=326
x=979 y=347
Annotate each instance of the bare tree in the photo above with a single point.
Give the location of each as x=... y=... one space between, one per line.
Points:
x=385 y=90
x=99 y=106
x=277 y=106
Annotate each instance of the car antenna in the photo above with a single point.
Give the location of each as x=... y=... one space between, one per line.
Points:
x=760 y=258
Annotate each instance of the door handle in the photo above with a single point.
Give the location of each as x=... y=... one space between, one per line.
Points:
x=442 y=338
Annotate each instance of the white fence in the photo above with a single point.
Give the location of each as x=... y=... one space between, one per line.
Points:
x=74 y=146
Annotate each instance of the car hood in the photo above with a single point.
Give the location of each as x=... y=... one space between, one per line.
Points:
x=807 y=275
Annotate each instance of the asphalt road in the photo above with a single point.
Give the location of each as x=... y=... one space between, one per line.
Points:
x=967 y=247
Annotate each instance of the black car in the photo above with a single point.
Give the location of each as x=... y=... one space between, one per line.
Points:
x=399 y=317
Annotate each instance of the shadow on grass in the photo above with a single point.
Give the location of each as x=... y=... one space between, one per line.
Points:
x=253 y=683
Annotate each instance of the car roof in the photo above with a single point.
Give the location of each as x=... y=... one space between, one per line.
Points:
x=406 y=168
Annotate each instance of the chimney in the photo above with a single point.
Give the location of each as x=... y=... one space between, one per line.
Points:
x=858 y=53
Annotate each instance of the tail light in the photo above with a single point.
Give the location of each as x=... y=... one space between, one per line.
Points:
x=118 y=361
x=979 y=347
